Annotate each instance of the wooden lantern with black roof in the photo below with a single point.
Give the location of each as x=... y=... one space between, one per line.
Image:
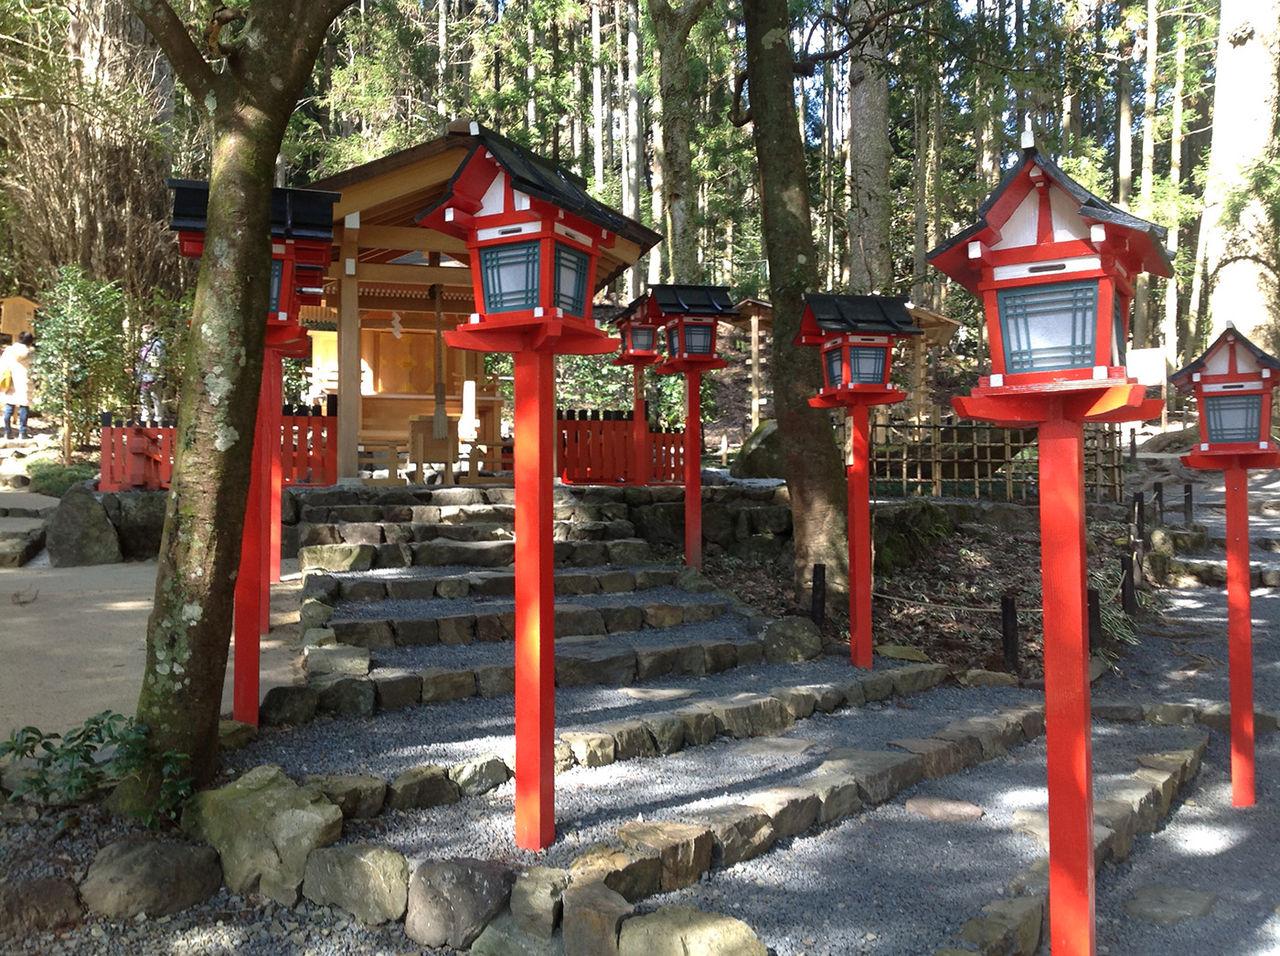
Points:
x=857 y=334
x=1054 y=266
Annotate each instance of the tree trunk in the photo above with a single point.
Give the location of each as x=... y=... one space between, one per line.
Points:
x=248 y=104
x=1124 y=126
x=870 y=261
x=811 y=460
x=1241 y=255
x=1142 y=285
x=1169 y=327
x=597 y=100
x=671 y=29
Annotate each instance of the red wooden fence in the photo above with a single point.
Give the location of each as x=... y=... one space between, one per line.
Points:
x=136 y=457
x=599 y=452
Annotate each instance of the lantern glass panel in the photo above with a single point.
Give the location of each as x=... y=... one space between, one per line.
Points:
x=509 y=276
x=1049 y=327
x=834 y=366
x=866 y=365
x=673 y=340
x=277 y=277
x=1233 y=418
x=699 y=338
x=1117 y=330
x=571 y=280
x=641 y=338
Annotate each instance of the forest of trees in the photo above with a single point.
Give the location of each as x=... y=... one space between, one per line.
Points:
x=909 y=109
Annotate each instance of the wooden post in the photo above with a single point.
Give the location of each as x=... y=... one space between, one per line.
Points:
x=1009 y=632
x=818 y=599
x=755 y=372
x=535 y=824
x=1066 y=677
x=1240 y=637
x=1186 y=504
x=859 y=492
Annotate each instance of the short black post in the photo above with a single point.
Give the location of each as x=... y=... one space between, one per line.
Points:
x=818 y=605
x=1139 y=515
x=1157 y=494
x=1186 y=504
x=1095 y=619
x=1128 y=595
x=1009 y=631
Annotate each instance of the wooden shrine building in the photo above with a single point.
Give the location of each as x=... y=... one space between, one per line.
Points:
x=393 y=287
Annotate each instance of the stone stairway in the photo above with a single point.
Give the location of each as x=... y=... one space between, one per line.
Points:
x=693 y=736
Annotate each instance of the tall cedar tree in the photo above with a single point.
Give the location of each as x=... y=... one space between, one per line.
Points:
x=811 y=459
x=246 y=69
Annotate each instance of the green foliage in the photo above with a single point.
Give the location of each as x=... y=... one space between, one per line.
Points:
x=54 y=478
x=80 y=359
x=78 y=766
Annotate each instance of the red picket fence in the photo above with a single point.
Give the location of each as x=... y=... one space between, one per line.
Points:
x=598 y=451
x=141 y=458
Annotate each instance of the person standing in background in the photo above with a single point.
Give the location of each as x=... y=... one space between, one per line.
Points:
x=16 y=362
x=150 y=379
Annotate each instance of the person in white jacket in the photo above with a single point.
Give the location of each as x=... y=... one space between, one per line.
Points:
x=17 y=360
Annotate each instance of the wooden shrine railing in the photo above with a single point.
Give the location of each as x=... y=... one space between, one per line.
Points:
x=136 y=457
x=595 y=447
x=965 y=459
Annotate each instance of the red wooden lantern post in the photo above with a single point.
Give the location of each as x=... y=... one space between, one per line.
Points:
x=857 y=334
x=1054 y=266
x=688 y=315
x=1232 y=382
x=533 y=238
x=639 y=349
x=302 y=236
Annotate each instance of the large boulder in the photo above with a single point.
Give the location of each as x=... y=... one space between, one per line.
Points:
x=263 y=826
x=80 y=533
x=141 y=523
x=792 y=639
x=370 y=882
x=760 y=455
x=32 y=906
x=452 y=901
x=676 y=930
x=135 y=876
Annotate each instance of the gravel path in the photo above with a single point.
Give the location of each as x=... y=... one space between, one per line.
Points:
x=884 y=881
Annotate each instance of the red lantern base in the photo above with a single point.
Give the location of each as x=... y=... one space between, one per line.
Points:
x=1059 y=414
x=858 y=478
x=562 y=336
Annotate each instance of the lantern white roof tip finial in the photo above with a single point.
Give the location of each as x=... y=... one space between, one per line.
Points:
x=1028 y=137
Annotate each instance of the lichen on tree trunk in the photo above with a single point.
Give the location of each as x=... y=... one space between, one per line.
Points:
x=248 y=102
x=811 y=458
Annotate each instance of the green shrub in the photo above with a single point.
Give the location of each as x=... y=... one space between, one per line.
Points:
x=107 y=748
x=53 y=479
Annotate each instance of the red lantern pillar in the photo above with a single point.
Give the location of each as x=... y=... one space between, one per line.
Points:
x=693 y=469
x=858 y=480
x=640 y=429
x=1239 y=636
x=1068 y=729
x=535 y=825
x=1233 y=382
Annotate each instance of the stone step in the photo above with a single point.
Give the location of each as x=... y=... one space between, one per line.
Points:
x=421 y=583
x=479 y=554
x=399 y=622
x=454 y=529
x=784 y=785
x=21 y=539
